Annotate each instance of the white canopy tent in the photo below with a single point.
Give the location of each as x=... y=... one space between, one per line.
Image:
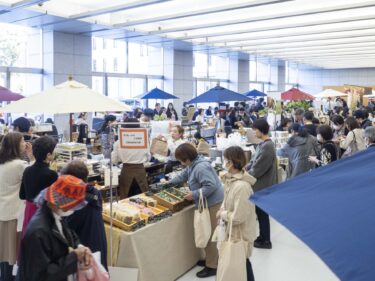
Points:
x=330 y=93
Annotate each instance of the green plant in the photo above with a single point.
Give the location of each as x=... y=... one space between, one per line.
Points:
x=305 y=105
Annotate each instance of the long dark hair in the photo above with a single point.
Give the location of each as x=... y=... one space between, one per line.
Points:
x=10 y=147
x=107 y=119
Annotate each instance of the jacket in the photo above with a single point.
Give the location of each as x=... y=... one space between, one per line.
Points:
x=237 y=207
x=11 y=206
x=45 y=252
x=366 y=123
x=263 y=166
x=88 y=224
x=36 y=178
x=353 y=142
x=201 y=175
x=297 y=150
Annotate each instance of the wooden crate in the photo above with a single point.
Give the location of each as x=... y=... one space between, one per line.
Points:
x=174 y=207
x=126 y=227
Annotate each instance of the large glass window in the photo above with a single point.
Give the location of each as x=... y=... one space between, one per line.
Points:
x=144 y=59
x=20 y=46
x=214 y=67
x=125 y=88
x=98 y=84
x=25 y=83
x=108 y=56
x=291 y=73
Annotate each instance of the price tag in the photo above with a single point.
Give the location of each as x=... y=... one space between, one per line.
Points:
x=133 y=138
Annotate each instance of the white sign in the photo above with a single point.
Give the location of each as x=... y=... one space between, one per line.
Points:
x=131 y=138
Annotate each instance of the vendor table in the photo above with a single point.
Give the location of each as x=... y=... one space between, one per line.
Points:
x=162 y=251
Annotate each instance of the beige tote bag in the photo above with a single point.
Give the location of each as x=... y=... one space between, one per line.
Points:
x=232 y=259
x=202 y=223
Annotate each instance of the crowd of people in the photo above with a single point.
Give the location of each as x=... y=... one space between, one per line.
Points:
x=51 y=224
x=33 y=202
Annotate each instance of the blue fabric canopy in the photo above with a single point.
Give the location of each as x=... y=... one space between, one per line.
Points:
x=158 y=94
x=255 y=93
x=331 y=209
x=218 y=94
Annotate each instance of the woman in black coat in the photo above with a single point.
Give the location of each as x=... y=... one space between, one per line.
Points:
x=49 y=250
x=88 y=222
x=329 y=151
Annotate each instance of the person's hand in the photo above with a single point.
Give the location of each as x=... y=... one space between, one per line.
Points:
x=314 y=159
x=189 y=196
x=29 y=151
x=84 y=257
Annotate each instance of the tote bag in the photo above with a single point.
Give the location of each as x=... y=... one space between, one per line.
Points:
x=202 y=223
x=232 y=259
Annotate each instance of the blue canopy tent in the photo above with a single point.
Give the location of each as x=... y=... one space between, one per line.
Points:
x=158 y=94
x=218 y=94
x=255 y=93
x=332 y=210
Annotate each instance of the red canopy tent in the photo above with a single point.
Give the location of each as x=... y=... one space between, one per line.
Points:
x=296 y=94
x=8 y=95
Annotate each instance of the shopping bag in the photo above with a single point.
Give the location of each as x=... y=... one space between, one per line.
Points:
x=232 y=259
x=202 y=223
x=159 y=146
x=96 y=273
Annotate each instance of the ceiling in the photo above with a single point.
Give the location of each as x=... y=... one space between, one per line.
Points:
x=320 y=33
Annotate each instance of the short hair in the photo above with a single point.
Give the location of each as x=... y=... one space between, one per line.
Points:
x=157 y=104
x=186 y=151
x=23 y=124
x=262 y=125
x=134 y=123
x=298 y=128
x=237 y=156
x=352 y=123
x=366 y=113
x=299 y=111
x=77 y=169
x=285 y=121
x=42 y=146
x=10 y=148
x=180 y=130
x=370 y=134
x=338 y=120
x=326 y=132
x=308 y=115
x=316 y=121
x=358 y=114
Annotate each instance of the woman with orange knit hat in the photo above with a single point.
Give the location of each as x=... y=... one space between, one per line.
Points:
x=50 y=249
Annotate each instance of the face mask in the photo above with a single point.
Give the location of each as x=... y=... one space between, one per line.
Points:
x=225 y=165
x=320 y=138
x=61 y=213
x=336 y=127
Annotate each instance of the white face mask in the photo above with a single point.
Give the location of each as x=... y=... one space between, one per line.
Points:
x=61 y=213
x=320 y=138
x=336 y=127
x=225 y=165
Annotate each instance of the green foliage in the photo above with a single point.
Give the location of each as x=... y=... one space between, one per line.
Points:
x=305 y=105
x=11 y=44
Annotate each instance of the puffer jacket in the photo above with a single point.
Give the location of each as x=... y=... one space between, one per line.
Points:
x=237 y=207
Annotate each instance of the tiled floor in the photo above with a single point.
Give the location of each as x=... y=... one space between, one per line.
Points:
x=289 y=260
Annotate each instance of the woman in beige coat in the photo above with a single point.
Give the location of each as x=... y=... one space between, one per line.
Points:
x=236 y=205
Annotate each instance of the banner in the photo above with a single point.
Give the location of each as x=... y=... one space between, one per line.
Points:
x=133 y=138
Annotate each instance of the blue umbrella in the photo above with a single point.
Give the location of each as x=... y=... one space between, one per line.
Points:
x=255 y=93
x=158 y=94
x=332 y=210
x=218 y=94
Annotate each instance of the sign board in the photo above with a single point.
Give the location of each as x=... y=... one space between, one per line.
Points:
x=131 y=138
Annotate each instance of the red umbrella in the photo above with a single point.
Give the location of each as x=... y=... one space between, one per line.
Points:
x=295 y=94
x=8 y=95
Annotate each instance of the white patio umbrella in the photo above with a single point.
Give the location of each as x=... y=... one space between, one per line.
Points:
x=327 y=93
x=68 y=97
